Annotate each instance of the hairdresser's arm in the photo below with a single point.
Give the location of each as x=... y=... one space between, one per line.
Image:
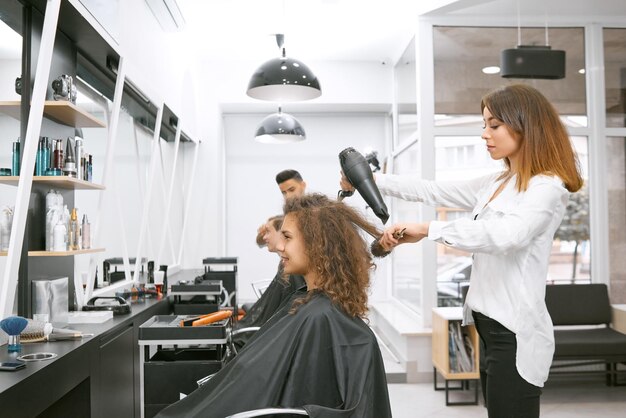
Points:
x=451 y=194
x=499 y=235
x=512 y=231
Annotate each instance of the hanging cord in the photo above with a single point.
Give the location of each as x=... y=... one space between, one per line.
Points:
x=545 y=16
x=519 y=26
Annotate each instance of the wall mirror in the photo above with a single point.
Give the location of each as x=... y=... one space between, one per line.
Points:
x=10 y=69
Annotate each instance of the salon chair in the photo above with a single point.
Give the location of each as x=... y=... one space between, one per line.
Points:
x=260 y=286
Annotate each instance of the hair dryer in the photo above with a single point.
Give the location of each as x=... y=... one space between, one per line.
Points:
x=358 y=172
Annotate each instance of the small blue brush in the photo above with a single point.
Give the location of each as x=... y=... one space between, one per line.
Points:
x=13 y=326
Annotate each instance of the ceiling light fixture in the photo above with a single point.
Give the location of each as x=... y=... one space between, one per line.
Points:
x=280 y=128
x=283 y=79
x=493 y=69
x=581 y=71
x=532 y=61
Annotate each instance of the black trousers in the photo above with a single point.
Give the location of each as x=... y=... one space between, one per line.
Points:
x=507 y=394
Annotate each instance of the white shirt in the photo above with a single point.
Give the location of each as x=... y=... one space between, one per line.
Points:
x=511 y=239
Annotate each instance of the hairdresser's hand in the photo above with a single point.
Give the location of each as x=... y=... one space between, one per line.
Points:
x=403 y=233
x=345 y=184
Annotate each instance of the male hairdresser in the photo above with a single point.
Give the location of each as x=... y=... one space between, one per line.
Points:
x=291 y=184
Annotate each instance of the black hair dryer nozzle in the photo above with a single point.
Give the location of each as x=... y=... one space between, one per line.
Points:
x=357 y=170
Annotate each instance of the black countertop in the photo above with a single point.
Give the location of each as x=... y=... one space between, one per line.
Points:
x=62 y=348
x=9 y=379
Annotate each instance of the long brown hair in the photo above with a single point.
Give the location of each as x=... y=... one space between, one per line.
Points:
x=545 y=147
x=335 y=249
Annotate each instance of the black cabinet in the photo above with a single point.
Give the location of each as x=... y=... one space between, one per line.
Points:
x=116 y=384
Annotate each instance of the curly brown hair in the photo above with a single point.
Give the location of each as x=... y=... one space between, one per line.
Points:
x=336 y=249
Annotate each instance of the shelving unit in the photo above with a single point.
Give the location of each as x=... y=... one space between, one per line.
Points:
x=59 y=253
x=442 y=317
x=60 y=182
x=64 y=253
x=63 y=112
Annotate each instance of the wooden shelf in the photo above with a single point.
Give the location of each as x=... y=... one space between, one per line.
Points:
x=63 y=112
x=440 y=348
x=60 y=182
x=58 y=253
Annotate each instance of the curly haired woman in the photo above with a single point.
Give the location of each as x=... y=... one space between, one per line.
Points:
x=320 y=356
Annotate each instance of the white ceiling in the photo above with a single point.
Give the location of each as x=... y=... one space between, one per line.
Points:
x=353 y=30
x=552 y=9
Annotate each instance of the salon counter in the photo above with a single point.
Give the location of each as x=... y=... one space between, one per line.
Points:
x=94 y=377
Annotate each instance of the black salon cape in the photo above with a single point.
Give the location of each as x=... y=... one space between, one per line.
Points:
x=318 y=358
x=271 y=300
x=276 y=295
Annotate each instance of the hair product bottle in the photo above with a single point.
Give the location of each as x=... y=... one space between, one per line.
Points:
x=57 y=156
x=74 y=232
x=86 y=233
x=16 y=158
x=69 y=165
x=59 y=237
x=78 y=156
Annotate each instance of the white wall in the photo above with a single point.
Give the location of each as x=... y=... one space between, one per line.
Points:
x=252 y=195
x=9 y=71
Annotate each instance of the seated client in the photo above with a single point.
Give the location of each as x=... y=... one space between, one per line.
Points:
x=320 y=355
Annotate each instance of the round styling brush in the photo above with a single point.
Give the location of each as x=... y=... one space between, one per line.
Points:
x=36 y=331
x=13 y=326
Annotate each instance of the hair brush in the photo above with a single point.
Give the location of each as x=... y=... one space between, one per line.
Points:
x=38 y=331
x=378 y=250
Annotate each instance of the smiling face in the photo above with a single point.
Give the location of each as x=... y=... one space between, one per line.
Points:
x=501 y=141
x=291 y=248
x=271 y=237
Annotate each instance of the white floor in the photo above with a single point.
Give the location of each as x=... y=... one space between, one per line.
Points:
x=562 y=398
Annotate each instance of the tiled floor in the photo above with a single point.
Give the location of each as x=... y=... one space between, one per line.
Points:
x=562 y=398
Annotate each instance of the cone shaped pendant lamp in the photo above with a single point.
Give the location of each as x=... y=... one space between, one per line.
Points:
x=279 y=128
x=283 y=79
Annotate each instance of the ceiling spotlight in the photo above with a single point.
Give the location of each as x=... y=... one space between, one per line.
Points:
x=581 y=71
x=491 y=69
x=280 y=128
x=283 y=79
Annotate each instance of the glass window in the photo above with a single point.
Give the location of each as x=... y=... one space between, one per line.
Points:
x=615 y=76
x=407 y=280
x=462 y=55
x=457 y=157
x=616 y=185
x=406 y=95
x=570 y=259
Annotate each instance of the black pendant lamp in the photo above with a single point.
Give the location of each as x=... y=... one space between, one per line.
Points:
x=283 y=79
x=280 y=128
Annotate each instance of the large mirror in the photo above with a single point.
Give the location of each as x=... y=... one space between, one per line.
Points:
x=10 y=69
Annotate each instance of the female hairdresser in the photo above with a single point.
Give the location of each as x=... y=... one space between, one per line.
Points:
x=319 y=354
x=515 y=214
